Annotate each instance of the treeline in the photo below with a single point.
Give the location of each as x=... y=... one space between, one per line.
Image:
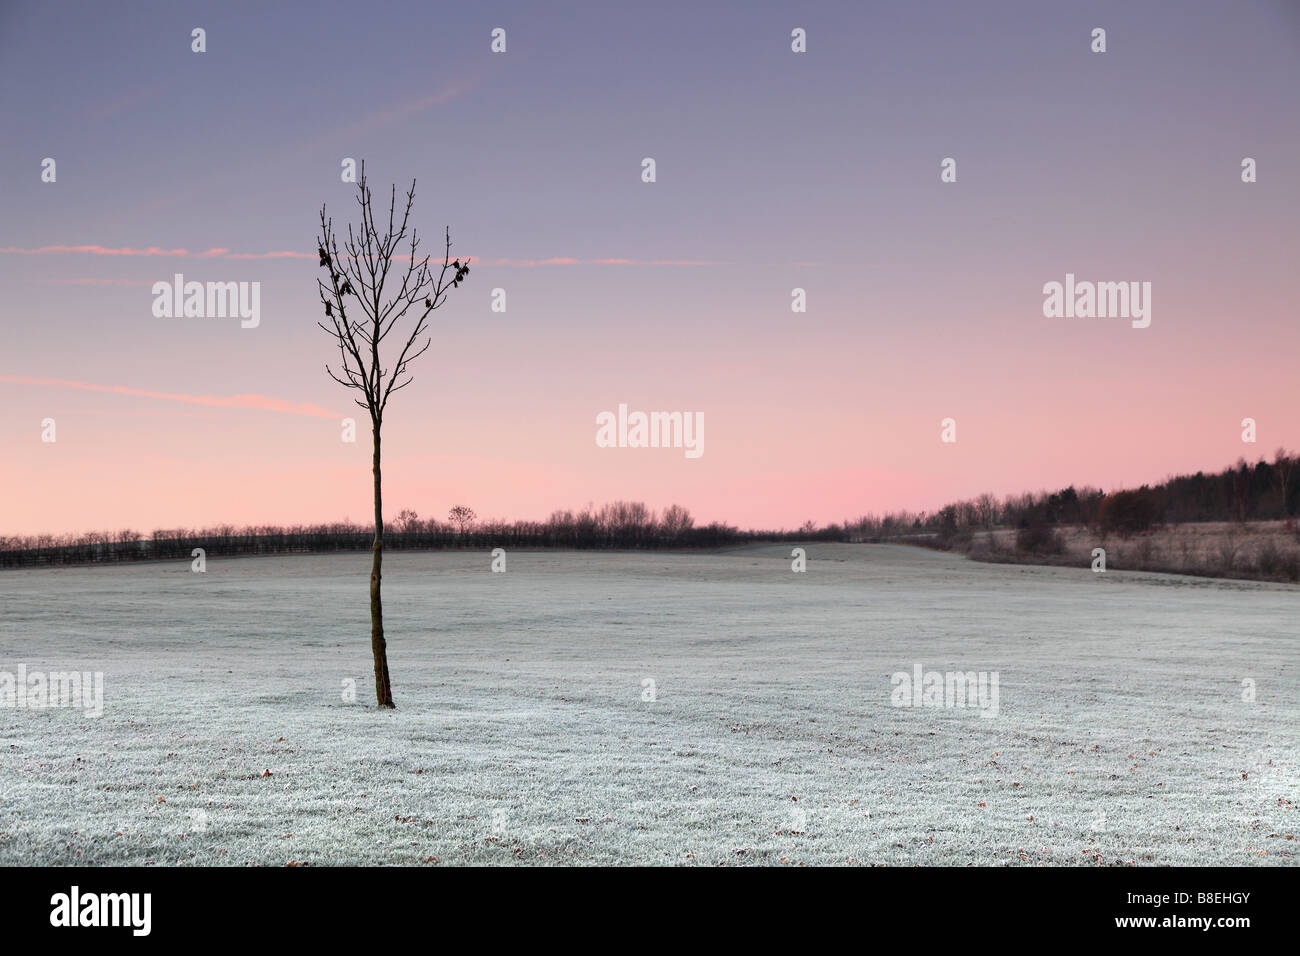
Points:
x=1243 y=492
x=619 y=525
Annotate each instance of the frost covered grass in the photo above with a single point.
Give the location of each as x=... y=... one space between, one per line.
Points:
x=522 y=735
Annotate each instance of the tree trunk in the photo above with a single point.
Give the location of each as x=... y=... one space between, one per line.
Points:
x=383 y=687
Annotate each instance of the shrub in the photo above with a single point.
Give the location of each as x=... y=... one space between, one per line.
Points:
x=1289 y=566
x=1229 y=546
x=1038 y=539
x=1268 y=559
x=1127 y=511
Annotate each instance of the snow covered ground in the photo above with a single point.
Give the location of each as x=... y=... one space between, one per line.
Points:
x=522 y=735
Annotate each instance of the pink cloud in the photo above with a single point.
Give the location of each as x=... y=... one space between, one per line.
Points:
x=405 y=110
x=259 y=402
x=131 y=99
x=566 y=261
x=151 y=251
x=94 y=251
x=279 y=254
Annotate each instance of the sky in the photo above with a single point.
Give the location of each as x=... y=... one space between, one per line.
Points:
x=774 y=170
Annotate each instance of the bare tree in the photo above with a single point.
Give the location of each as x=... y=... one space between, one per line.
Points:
x=986 y=510
x=360 y=280
x=462 y=516
x=676 y=521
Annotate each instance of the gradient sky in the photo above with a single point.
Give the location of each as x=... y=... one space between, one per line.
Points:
x=775 y=170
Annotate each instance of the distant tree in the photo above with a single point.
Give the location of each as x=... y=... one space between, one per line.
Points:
x=407 y=521
x=462 y=516
x=1240 y=479
x=675 y=522
x=1284 y=465
x=359 y=280
x=947 y=524
x=627 y=521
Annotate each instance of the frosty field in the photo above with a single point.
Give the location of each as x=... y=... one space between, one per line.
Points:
x=522 y=736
